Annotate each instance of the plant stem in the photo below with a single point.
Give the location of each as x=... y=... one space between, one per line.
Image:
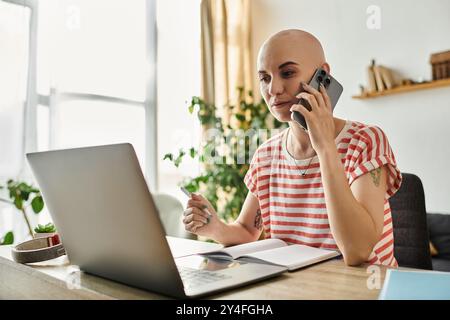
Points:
x=28 y=222
x=30 y=230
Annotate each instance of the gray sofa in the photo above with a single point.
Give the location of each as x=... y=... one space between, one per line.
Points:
x=439 y=232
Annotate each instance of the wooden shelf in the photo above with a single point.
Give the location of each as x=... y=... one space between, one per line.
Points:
x=407 y=88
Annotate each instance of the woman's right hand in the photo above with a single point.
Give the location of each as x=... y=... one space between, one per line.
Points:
x=200 y=217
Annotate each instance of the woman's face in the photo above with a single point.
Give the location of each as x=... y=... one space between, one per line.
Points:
x=283 y=64
x=279 y=82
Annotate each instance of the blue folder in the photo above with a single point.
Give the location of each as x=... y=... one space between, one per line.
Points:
x=416 y=285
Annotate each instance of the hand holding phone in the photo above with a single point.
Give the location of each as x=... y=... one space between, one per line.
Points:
x=332 y=86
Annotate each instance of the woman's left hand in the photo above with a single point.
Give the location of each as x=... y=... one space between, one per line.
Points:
x=321 y=127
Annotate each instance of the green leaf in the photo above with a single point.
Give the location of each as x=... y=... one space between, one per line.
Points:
x=8 y=238
x=37 y=204
x=48 y=228
x=25 y=195
x=168 y=156
x=22 y=186
x=179 y=158
x=18 y=202
x=192 y=152
x=12 y=192
x=240 y=117
x=196 y=100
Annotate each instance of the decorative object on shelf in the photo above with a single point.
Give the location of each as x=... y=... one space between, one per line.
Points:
x=371 y=82
x=408 y=85
x=440 y=65
x=387 y=77
x=379 y=78
x=363 y=90
x=407 y=82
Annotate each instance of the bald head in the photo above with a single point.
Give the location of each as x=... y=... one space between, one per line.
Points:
x=292 y=44
x=285 y=60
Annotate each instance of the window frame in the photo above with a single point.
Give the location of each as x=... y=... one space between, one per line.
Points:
x=33 y=99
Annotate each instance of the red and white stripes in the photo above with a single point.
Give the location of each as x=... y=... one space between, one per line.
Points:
x=293 y=206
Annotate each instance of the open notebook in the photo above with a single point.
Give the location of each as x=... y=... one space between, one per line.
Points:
x=275 y=251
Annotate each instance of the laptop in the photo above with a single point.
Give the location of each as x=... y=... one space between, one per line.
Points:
x=110 y=227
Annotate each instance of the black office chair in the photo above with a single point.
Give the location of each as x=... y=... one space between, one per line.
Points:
x=409 y=218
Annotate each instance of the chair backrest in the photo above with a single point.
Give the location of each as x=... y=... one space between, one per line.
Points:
x=171 y=214
x=409 y=218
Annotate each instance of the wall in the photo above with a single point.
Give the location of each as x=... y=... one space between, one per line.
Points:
x=418 y=123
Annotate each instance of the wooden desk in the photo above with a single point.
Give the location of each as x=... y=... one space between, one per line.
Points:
x=47 y=280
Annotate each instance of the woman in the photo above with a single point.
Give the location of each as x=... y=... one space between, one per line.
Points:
x=327 y=187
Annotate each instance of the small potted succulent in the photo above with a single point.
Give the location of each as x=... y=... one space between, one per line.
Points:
x=43 y=231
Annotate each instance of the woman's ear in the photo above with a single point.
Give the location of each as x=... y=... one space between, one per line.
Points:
x=326 y=67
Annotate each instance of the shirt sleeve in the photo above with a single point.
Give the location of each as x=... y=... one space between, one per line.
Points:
x=368 y=150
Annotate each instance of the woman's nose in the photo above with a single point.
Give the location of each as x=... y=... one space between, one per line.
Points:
x=275 y=87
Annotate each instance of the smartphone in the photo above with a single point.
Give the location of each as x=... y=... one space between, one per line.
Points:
x=332 y=86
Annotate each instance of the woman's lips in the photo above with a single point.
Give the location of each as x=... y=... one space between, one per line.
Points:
x=281 y=105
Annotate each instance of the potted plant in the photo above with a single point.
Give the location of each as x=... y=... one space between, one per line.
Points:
x=22 y=196
x=43 y=231
x=223 y=183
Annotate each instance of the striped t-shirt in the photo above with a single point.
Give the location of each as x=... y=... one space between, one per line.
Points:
x=293 y=206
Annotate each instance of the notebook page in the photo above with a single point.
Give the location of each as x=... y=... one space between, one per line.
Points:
x=293 y=256
x=186 y=247
x=253 y=247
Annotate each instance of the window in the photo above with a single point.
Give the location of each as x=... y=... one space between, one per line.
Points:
x=14 y=35
x=14 y=39
x=92 y=73
x=95 y=76
x=90 y=69
x=178 y=80
x=90 y=79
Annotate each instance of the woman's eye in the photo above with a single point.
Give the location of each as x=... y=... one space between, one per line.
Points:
x=287 y=74
x=264 y=78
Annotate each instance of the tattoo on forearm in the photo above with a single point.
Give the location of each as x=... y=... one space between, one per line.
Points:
x=376 y=175
x=258 y=220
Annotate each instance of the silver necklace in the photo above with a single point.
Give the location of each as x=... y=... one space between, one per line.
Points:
x=303 y=173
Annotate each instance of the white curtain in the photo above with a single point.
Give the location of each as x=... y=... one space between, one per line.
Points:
x=226 y=52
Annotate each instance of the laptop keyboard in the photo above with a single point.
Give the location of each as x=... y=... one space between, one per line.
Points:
x=195 y=277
